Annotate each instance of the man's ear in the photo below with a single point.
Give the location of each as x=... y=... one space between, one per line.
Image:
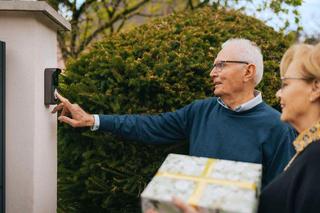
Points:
x=315 y=90
x=250 y=72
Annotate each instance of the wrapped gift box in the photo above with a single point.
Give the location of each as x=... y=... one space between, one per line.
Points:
x=211 y=185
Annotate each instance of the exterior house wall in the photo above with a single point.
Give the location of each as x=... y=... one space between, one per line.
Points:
x=30 y=35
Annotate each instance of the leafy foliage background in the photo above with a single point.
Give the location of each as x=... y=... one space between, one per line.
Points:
x=158 y=67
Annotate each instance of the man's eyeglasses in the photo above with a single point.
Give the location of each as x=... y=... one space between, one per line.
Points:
x=284 y=84
x=218 y=67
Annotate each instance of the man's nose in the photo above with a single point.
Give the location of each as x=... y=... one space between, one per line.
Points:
x=278 y=93
x=213 y=73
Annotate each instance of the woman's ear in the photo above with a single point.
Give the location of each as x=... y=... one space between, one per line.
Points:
x=250 y=73
x=315 y=90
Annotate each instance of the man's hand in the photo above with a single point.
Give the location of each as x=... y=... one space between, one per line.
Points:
x=77 y=116
x=185 y=208
x=151 y=211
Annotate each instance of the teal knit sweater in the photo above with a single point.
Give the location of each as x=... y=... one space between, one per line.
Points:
x=256 y=135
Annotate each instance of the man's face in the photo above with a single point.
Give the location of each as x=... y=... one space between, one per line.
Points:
x=227 y=78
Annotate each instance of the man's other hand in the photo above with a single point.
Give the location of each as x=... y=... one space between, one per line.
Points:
x=151 y=211
x=185 y=208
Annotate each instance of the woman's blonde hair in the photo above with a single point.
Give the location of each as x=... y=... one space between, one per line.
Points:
x=306 y=56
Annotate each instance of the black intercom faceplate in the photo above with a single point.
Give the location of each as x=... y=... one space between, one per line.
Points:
x=51 y=81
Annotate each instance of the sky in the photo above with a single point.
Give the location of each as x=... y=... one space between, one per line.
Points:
x=310 y=16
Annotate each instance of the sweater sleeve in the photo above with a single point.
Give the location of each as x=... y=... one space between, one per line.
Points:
x=167 y=127
x=277 y=152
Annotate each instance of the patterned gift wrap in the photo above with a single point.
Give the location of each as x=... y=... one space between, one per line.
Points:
x=211 y=185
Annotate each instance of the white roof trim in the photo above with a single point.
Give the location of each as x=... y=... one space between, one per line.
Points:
x=36 y=6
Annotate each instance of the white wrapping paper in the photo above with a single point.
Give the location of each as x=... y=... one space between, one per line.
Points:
x=211 y=185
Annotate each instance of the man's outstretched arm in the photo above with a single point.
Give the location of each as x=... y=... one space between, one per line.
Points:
x=167 y=127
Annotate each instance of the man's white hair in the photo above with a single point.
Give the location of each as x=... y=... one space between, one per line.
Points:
x=249 y=52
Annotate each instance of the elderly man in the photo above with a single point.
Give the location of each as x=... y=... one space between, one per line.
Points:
x=235 y=125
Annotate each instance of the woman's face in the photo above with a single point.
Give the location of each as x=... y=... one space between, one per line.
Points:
x=294 y=95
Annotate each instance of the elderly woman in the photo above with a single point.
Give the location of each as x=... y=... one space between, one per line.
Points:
x=297 y=189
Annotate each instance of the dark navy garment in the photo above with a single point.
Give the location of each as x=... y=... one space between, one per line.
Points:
x=256 y=135
x=296 y=190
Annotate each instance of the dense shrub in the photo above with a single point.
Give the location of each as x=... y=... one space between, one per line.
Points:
x=157 y=67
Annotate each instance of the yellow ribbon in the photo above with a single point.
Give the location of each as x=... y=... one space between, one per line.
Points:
x=203 y=180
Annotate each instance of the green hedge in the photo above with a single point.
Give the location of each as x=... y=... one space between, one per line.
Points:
x=158 y=67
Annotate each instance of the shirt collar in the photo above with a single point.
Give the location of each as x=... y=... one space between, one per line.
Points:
x=245 y=106
x=306 y=137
